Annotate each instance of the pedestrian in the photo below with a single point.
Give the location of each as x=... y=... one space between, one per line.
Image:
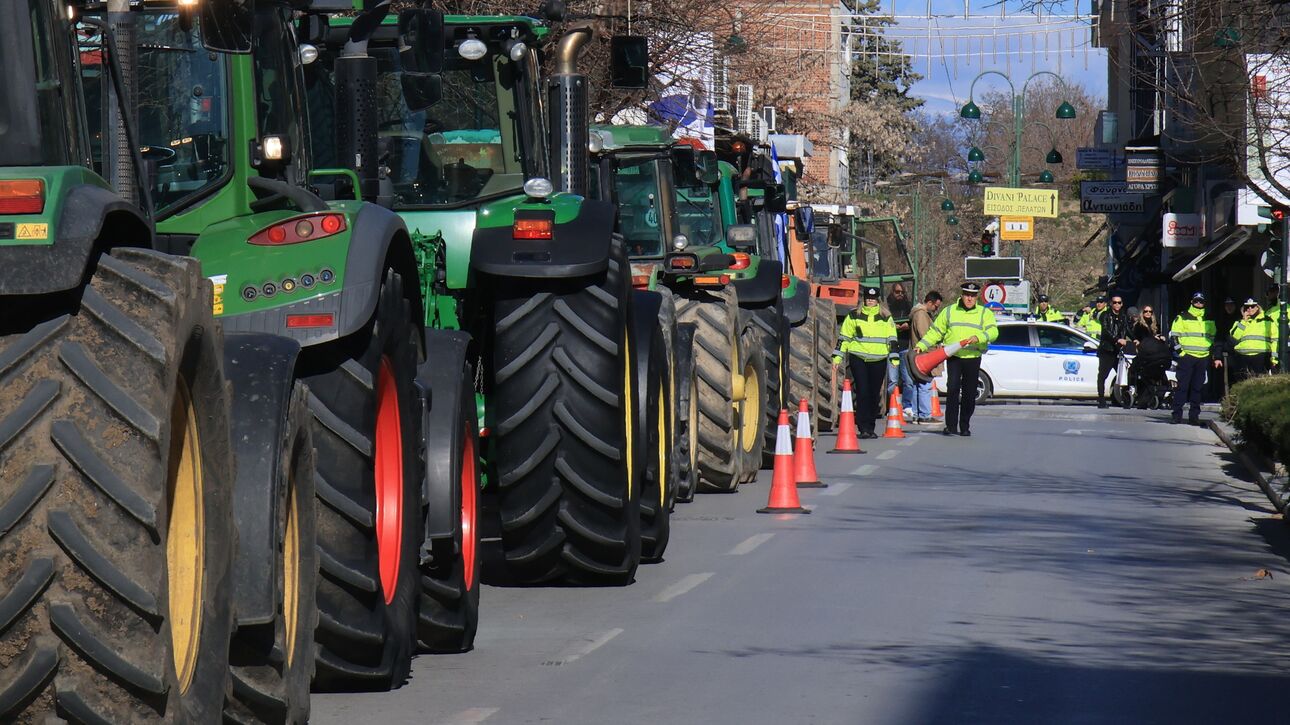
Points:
x=1251 y=343
x=1047 y=313
x=1193 y=336
x=974 y=326
x=867 y=336
x=917 y=397
x=1113 y=335
x=1146 y=325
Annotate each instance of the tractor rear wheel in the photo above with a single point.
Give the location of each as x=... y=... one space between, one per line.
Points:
x=368 y=486
x=116 y=533
x=565 y=440
x=801 y=371
x=773 y=337
x=715 y=316
x=273 y=663
x=449 y=609
x=828 y=386
x=750 y=410
x=658 y=490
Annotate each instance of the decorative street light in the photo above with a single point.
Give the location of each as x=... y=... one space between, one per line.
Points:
x=947 y=205
x=972 y=111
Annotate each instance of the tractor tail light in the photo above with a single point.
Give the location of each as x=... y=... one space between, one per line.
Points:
x=682 y=261
x=298 y=321
x=532 y=229
x=741 y=261
x=783 y=281
x=22 y=196
x=300 y=229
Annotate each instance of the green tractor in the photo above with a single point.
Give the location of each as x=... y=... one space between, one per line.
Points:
x=387 y=402
x=148 y=457
x=511 y=251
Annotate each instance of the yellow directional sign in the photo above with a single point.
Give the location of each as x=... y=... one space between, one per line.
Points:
x=1016 y=228
x=1005 y=201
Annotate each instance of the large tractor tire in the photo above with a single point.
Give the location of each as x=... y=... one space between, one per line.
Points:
x=564 y=436
x=686 y=412
x=717 y=376
x=449 y=610
x=658 y=491
x=750 y=409
x=828 y=386
x=116 y=533
x=272 y=664
x=802 y=368
x=773 y=337
x=369 y=526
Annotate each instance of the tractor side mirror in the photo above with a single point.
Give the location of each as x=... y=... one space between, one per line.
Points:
x=776 y=201
x=227 y=25
x=312 y=30
x=709 y=173
x=421 y=90
x=742 y=237
x=685 y=167
x=421 y=44
x=629 y=61
x=803 y=223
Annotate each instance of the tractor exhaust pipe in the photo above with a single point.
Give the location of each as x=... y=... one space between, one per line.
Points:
x=356 y=104
x=568 y=94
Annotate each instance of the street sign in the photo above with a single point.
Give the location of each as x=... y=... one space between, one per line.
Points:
x=1006 y=201
x=1017 y=300
x=994 y=293
x=993 y=267
x=1108 y=197
x=1017 y=228
x=1180 y=230
x=1097 y=159
x=1143 y=171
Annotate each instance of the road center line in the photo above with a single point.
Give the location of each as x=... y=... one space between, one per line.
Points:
x=470 y=717
x=864 y=470
x=578 y=650
x=908 y=442
x=887 y=455
x=836 y=489
x=748 y=544
x=687 y=583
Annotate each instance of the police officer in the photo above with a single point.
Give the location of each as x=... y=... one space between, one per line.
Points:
x=1092 y=320
x=974 y=326
x=1252 y=342
x=867 y=337
x=1193 y=336
x=1046 y=313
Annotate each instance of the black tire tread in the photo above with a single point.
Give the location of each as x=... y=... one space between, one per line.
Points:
x=716 y=319
x=826 y=339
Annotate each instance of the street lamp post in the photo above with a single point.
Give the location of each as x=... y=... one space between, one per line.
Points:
x=972 y=111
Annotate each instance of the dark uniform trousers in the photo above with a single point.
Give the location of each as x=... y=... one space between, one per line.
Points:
x=1245 y=367
x=1191 y=381
x=962 y=377
x=868 y=377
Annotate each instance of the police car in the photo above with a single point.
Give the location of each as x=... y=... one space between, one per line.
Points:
x=1038 y=360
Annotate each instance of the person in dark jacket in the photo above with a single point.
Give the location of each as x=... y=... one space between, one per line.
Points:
x=1112 y=338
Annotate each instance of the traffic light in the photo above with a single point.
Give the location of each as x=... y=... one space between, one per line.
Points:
x=987 y=245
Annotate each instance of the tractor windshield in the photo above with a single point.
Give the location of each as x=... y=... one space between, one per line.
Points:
x=468 y=145
x=181 y=92
x=821 y=253
x=40 y=113
x=636 y=184
x=696 y=213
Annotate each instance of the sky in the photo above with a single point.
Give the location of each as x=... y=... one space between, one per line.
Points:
x=997 y=37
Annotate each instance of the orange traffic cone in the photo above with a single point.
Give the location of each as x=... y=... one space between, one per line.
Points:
x=936 y=401
x=804 y=451
x=783 y=491
x=846 y=441
x=895 y=417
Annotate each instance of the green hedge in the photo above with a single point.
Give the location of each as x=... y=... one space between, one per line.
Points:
x=1260 y=409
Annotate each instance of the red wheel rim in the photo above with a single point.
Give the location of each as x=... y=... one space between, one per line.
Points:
x=389 y=479
x=468 y=509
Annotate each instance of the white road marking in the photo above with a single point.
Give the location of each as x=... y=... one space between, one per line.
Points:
x=836 y=488
x=887 y=455
x=908 y=442
x=1099 y=431
x=578 y=650
x=470 y=717
x=864 y=470
x=748 y=544
x=687 y=583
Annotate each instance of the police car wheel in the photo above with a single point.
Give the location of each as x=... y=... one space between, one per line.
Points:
x=984 y=388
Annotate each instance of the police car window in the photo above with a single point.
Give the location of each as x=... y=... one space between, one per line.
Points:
x=1062 y=339
x=1014 y=335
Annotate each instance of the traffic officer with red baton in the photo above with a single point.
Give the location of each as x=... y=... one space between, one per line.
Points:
x=867 y=337
x=1193 y=337
x=973 y=327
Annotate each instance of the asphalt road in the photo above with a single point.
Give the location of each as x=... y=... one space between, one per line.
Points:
x=1063 y=565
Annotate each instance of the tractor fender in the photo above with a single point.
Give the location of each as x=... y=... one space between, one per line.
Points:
x=683 y=349
x=439 y=388
x=90 y=216
x=646 y=306
x=763 y=287
x=375 y=231
x=577 y=248
x=798 y=304
x=261 y=371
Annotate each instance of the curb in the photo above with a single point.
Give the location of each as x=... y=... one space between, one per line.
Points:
x=1263 y=471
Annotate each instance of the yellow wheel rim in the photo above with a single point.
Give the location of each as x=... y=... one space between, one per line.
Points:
x=749 y=409
x=291 y=571
x=185 y=538
x=629 y=408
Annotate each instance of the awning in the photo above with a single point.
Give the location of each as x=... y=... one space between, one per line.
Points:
x=1216 y=252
